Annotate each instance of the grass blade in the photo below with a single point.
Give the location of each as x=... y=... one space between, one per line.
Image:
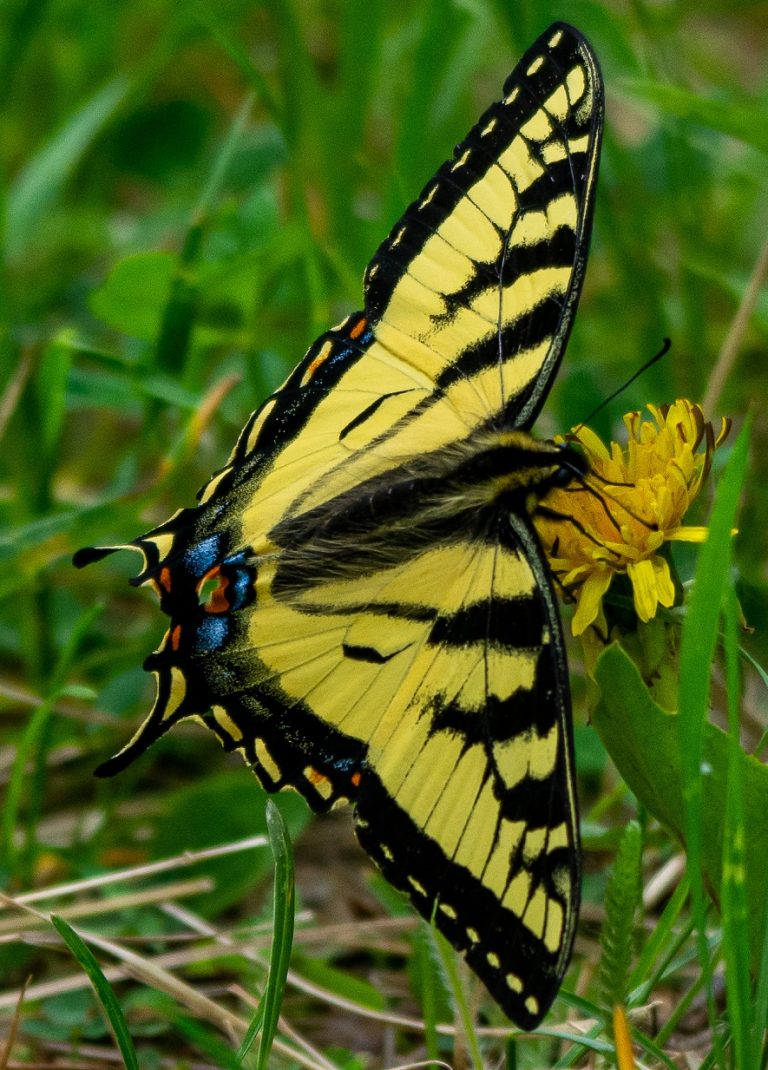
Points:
x=449 y=960
x=266 y=1019
x=31 y=750
x=430 y=986
x=761 y=998
x=734 y=894
x=622 y=1039
x=104 y=991
x=734 y=118
x=697 y=651
x=661 y=939
x=178 y=320
x=41 y=182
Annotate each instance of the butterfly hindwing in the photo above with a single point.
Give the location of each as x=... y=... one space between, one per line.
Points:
x=359 y=603
x=467 y=803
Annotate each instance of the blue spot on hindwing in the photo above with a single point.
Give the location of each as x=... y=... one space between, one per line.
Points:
x=242 y=578
x=212 y=634
x=198 y=559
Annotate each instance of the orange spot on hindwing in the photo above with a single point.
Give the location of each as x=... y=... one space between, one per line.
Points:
x=214 y=584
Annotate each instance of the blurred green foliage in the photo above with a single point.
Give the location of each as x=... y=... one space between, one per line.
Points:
x=190 y=195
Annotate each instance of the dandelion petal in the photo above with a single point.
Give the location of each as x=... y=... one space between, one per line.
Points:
x=644 y=588
x=590 y=598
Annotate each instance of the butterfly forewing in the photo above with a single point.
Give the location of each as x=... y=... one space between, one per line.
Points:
x=476 y=284
x=359 y=604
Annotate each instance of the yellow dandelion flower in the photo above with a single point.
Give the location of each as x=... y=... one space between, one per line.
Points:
x=635 y=503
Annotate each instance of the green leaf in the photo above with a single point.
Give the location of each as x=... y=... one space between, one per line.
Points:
x=40 y=183
x=194 y=818
x=644 y=743
x=134 y=295
x=103 y=989
x=342 y=983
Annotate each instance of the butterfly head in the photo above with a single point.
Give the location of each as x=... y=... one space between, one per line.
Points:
x=573 y=466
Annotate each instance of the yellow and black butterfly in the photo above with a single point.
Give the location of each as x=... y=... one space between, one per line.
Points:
x=359 y=603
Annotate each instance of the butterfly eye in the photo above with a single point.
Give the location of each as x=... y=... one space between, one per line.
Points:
x=573 y=465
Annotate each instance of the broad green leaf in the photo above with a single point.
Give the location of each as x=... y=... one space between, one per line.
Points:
x=643 y=741
x=195 y=816
x=341 y=983
x=134 y=294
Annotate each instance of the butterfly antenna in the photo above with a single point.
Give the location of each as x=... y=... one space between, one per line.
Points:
x=640 y=371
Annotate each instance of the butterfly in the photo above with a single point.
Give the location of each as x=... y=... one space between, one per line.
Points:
x=359 y=603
